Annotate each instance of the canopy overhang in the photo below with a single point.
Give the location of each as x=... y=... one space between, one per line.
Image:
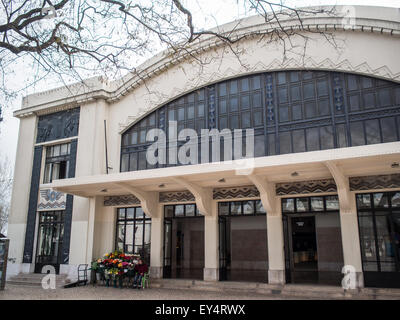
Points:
x=352 y=162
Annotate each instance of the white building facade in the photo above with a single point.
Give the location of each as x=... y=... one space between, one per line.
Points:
x=322 y=192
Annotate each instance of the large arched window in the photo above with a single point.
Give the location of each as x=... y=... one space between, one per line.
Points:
x=290 y=111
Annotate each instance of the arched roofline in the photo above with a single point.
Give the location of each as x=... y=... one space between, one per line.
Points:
x=378 y=20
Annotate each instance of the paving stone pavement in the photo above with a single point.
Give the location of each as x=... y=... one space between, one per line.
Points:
x=89 y=292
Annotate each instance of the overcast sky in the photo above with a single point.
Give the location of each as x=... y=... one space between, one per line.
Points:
x=223 y=11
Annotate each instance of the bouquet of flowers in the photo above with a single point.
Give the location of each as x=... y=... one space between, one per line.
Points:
x=115 y=264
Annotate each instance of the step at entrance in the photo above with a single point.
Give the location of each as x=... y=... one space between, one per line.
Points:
x=319 y=292
x=35 y=280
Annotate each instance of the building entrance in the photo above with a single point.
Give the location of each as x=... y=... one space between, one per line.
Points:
x=379 y=227
x=243 y=249
x=313 y=244
x=303 y=245
x=183 y=242
x=50 y=240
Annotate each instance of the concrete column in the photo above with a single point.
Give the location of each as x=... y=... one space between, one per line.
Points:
x=157 y=244
x=276 y=249
x=93 y=205
x=348 y=222
x=272 y=205
x=211 y=241
x=351 y=240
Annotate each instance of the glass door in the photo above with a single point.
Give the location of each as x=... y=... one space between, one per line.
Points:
x=379 y=227
x=395 y=236
x=223 y=249
x=304 y=244
x=167 y=248
x=303 y=249
x=50 y=240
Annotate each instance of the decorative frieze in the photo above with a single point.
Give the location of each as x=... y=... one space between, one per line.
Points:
x=51 y=200
x=269 y=98
x=306 y=187
x=282 y=189
x=338 y=93
x=388 y=181
x=236 y=193
x=124 y=200
x=164 y=197
x=177 y=196
x=211 y=108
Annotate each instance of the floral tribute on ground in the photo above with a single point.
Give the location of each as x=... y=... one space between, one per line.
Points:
x=115 y=266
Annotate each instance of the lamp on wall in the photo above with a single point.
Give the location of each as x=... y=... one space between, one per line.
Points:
x=395 y=165
x=294 y=174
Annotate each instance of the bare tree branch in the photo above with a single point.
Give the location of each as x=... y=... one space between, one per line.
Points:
x=75 y=39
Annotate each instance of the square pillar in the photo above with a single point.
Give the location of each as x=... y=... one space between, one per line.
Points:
x=157 y=243
x=276 y=249
x=211 y=242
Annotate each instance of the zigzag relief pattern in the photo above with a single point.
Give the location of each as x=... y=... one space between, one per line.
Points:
x=236 y=192
x=176 y=196
x=52 y=205
x=120 y=200
x=301 y=187
x=306 y=187
x=275 y=65
x=388 y=181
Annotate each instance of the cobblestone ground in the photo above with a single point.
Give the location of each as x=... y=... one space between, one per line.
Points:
x=12 y=292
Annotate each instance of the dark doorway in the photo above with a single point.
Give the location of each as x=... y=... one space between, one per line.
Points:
x=313 y=243
x=49 y=241
x=304 y=249
x=183 y=242
x=243 y=248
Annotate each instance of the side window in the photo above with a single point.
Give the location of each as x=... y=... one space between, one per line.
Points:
x=57 y=162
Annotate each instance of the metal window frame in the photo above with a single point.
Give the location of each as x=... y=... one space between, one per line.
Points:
x=51 y=160
x=241 y=214
x=51 y=224
x=309 y=211
x=337 y=88
x=123 y=221
x=388 y=214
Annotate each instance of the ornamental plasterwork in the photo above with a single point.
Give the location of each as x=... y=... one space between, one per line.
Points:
x=51 y=200
x=177 y=196
x=123 y=200
x=387 y=181
x=236 y=192
x=282 y=189
x=306 y=187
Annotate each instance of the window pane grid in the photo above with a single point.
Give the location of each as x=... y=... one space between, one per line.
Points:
x=132 y=232
x=379 y=219
x=240 y=208
x=298 y=111
x=302 y=205
x=57 y=162
x=182 y=211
